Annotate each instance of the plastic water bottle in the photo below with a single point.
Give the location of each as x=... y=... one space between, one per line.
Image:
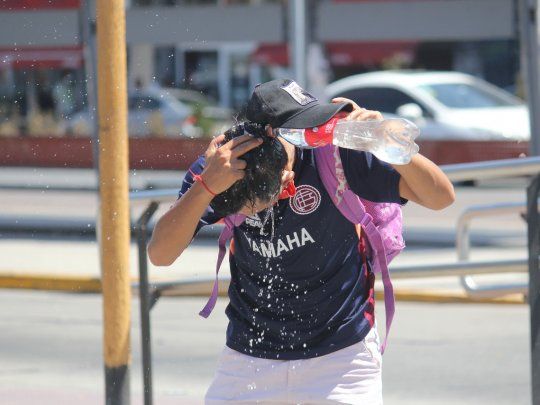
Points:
x=391 y=140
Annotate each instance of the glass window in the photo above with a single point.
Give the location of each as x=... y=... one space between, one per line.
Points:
x=383 y=99
x=39 y=100
x=240 y=89
x=145 y=3
x=201 y=72
x=165 y=66
x=463 y=95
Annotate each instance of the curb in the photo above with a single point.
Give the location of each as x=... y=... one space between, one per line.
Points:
x=202 y=288
x=458 y=297
x=50 y=283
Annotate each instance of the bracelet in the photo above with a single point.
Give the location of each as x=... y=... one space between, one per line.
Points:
x=198 y=178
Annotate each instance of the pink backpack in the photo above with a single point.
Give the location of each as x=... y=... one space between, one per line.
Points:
x=379 y=223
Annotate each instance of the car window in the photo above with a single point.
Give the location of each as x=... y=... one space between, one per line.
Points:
x=383 y=99
x=143 y=103
x=463 y=95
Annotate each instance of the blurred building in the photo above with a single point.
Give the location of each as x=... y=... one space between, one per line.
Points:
x=224 y=47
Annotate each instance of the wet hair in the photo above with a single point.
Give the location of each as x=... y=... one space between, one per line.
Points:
x=262 y=180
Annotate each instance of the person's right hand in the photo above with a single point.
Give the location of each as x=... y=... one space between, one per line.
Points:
x=223 y=167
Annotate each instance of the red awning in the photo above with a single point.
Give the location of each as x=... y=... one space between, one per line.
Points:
x=271 y=54
x=340 y=53
x=368 y=53
x=38 y=4
x=25 y=58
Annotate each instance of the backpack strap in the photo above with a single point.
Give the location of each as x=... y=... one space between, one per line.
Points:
x=226 y=235
x=331 y=171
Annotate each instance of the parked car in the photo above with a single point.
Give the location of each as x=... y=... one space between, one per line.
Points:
x=445 y=105
x=151 y=112
x=208 y=115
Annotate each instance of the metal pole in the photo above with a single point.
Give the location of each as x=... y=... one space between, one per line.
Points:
x=145 y=301
x=88 y=27
x=529 y=34
x=297 y=40
x=534 y=284
x=114 y=190
x=492 y=169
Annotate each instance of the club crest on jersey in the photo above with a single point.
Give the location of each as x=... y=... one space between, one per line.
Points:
x=306 y=200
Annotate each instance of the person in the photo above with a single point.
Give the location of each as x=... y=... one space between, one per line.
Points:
x=301 y=311
x=63 y=95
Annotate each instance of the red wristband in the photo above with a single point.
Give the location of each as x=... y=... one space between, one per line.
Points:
x=198 y=178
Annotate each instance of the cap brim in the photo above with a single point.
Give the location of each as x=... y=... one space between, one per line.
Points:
x=315 y=115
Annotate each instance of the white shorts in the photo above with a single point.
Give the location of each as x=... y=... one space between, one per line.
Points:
x=351 y=375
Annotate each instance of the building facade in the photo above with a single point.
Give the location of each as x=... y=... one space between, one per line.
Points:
x=222 y=48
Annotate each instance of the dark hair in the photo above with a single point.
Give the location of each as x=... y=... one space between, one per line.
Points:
x=262 y=179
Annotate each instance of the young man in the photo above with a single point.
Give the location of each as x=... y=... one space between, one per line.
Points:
x=301 y=303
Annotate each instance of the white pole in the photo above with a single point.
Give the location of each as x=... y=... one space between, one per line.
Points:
x=529 y=32
x=297 y=41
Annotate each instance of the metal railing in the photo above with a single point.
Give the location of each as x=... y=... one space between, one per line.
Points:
x=484 y=171
x=149 y=294
x=478 y=211
x=463 y=248
x=493 y=169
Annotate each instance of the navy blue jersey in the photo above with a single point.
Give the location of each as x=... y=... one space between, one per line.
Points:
x=298 y=286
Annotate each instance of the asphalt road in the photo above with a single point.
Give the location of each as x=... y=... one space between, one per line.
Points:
x=51 y=353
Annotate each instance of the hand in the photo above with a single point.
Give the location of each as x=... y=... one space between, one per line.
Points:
x=358 y=113
x=223 y=168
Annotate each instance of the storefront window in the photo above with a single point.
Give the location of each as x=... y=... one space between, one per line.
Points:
x=147 y=3
x=239 y=80
x=39 y=101
x=201 y=72
x=9 y=122
x=165 y=66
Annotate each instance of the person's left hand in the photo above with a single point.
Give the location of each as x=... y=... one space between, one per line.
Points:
x=358 y=113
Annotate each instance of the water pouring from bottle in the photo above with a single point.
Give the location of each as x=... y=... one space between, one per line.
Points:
x=391 y=140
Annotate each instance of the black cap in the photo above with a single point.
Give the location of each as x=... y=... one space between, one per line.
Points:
x=282 y=103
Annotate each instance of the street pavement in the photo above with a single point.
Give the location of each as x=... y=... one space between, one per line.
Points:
x=447 y=354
